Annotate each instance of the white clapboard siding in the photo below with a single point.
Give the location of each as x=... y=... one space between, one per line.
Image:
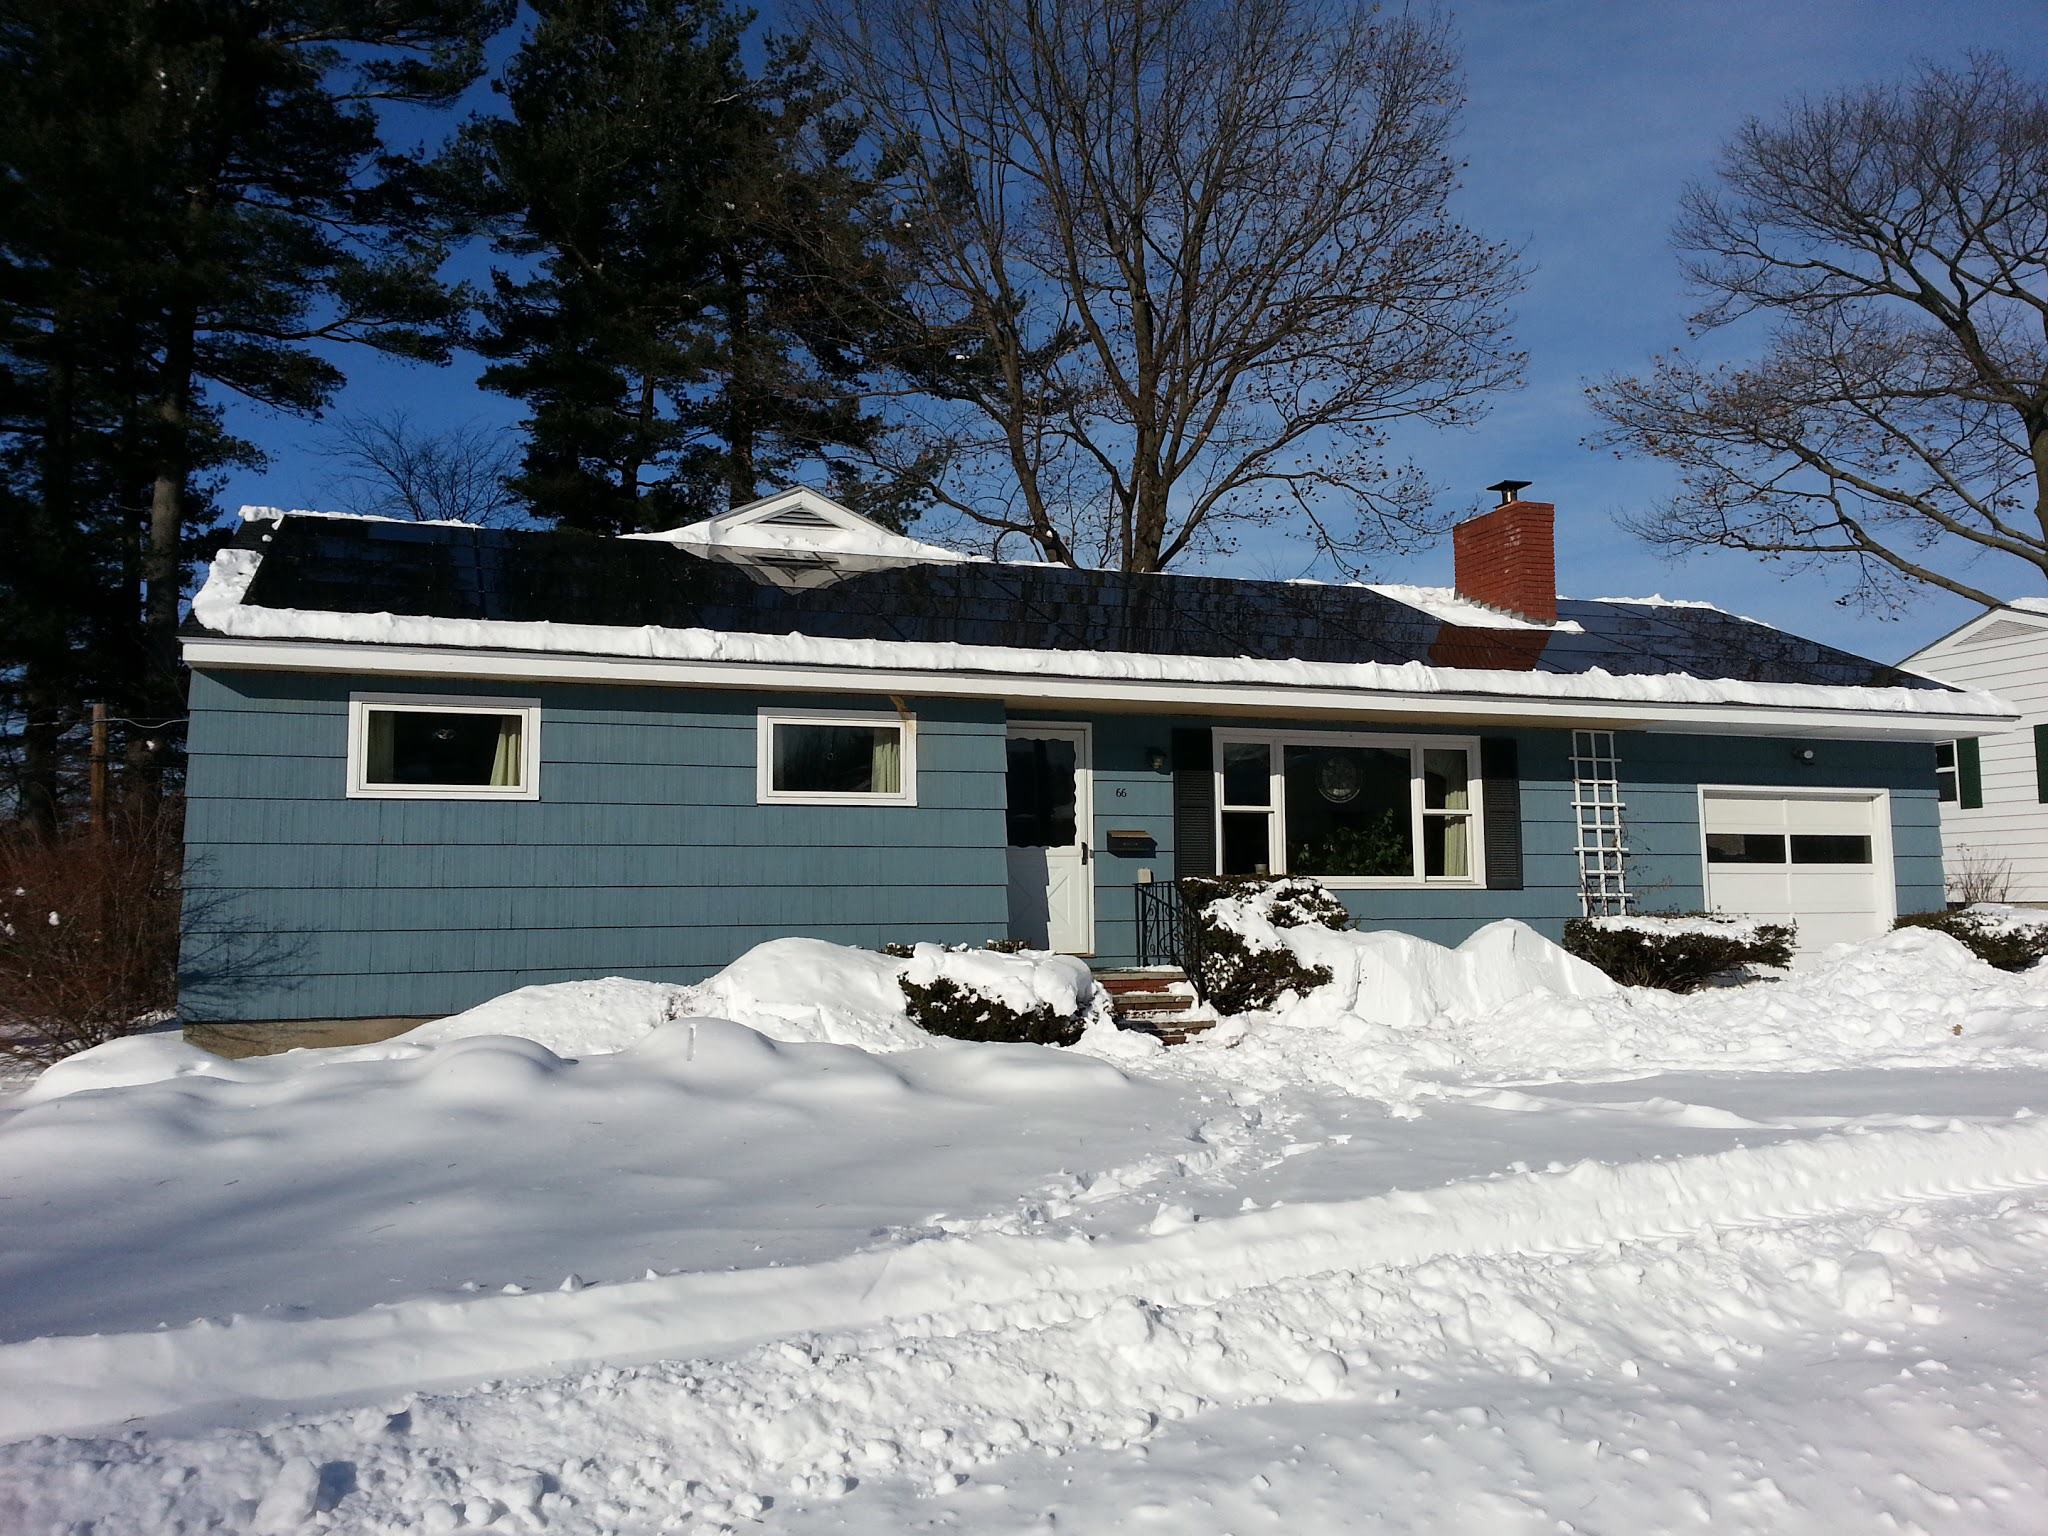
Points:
x=2012 y=825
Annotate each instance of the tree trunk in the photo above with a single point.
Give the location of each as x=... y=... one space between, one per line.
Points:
x=741 y=486
x=41 y=783
x=163 y=563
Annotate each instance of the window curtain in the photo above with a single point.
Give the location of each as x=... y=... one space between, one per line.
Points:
x=1457 y=845
x=505 y=762
x=886 y=767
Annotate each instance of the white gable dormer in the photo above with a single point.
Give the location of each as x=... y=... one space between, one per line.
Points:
x=798 y=538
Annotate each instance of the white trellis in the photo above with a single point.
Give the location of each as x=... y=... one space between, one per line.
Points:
x=1603 y=845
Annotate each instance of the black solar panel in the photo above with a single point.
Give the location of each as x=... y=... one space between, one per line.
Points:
x=463 y=573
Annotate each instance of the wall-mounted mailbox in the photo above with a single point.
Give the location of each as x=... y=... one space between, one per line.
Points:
x=1128 y=840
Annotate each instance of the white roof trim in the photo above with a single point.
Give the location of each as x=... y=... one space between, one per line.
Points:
x=952 y=668
x=1041 y=689
x=2022 y=612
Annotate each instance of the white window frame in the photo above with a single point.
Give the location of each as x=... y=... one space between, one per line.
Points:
x=1276 y=743
x=765 y=722
x=360 y=706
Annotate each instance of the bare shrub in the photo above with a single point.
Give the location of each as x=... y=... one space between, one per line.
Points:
x=88 y=931
x=1979 y=875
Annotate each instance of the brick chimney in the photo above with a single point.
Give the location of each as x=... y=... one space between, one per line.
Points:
x=1507 y=558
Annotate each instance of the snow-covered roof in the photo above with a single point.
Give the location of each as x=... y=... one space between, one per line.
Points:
x=892 y=608
x=1447 y=604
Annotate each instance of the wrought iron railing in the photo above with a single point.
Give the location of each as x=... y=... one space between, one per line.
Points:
x=1167 y=931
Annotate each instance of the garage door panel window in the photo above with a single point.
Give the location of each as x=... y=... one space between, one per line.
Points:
x=1829 y=848
x=1745 y=847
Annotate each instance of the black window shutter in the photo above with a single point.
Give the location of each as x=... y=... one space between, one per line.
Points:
x=1501 y=786
x=1969 y=775
x=1194 y=803
x=2041 y=763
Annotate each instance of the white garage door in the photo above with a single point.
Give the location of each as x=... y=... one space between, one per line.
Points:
x=1819 y=859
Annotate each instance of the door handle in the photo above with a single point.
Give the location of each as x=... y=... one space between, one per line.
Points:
x=1084 y=853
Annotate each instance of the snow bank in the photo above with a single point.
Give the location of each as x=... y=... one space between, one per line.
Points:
x=570 y=1018
x=1401 y=1013
x=321 y=1182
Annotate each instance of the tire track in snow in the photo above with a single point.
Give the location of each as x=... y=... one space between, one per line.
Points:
x=71 y=1385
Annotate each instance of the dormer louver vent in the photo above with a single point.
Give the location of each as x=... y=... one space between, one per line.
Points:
x=798 y=517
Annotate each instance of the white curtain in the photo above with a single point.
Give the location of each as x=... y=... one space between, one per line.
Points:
x=507 y=761
x=886 y=768
x=1457 y=844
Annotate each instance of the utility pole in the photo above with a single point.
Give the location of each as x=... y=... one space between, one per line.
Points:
x=99 y=767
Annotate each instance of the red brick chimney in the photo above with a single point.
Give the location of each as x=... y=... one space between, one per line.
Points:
x=1507 y=558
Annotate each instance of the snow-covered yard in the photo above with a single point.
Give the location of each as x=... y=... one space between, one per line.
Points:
x=1465 y=1240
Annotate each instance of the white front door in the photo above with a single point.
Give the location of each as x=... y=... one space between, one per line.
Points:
x=1821 y=859
x=1052 y=881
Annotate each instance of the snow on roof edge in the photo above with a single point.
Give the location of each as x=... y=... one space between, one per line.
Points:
x=221 y=605
x=255 y=514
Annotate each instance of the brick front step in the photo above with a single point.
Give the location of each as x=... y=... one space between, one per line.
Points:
x=1156 y=1001
x=1167 y=1031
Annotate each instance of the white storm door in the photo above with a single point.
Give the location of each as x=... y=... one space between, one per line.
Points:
x=1052 y=881
x=1821 y=859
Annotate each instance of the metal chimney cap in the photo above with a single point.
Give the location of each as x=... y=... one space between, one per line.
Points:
x=1510 y=490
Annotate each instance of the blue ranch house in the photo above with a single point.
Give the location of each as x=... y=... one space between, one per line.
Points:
x=430 y=763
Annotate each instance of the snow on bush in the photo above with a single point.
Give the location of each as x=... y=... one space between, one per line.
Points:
x=2011 y=938
x=1679 y=952
x=1245 y=963
x=998 y=994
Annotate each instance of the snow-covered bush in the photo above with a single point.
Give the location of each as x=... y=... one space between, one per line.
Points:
x=88 y=931
x=2011 y=938
x=1678 y=952
x=997 y=994
x=943 y=1006
x=1241 y=970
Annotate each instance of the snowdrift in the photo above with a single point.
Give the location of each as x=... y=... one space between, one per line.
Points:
x=805 y=991
x=1400 y=1013
x=322 y=1182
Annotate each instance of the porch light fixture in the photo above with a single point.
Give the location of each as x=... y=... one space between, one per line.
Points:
x=1157 y=760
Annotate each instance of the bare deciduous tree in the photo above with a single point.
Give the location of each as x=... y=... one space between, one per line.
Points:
x=387 y=463
x=1174 y=264
x=1895 y=241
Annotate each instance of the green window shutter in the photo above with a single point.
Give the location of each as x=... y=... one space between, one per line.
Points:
x=1969 y=775
x=2041 y=763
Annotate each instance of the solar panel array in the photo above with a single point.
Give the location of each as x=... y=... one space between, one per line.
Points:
x=347 y=566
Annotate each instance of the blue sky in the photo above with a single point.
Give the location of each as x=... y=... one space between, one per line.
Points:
x=1586 y=117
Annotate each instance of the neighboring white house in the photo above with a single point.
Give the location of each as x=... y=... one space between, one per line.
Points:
x=1994 y=789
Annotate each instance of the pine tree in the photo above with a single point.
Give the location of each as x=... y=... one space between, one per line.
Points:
x=694 y=250
x=196 y=201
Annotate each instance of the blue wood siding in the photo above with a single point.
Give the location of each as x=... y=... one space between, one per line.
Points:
x=1129 y=793
x=646 y=854
x=1661 y=775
